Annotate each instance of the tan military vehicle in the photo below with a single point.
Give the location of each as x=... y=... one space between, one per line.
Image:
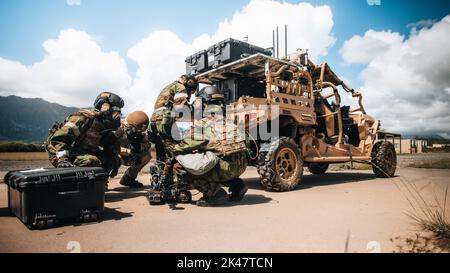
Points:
x=304 y=101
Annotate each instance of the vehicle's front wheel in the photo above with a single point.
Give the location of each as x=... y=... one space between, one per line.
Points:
x=384 y=159
x=280 y=165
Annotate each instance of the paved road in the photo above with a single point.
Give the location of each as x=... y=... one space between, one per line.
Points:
x=317 y=217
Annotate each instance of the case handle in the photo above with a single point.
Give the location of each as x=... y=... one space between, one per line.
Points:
x=69 y=193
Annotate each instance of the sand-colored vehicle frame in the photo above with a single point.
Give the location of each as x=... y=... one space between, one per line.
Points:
x=312 y=132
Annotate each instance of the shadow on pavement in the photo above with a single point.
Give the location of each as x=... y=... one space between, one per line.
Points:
x=120 y=194
x=250 y=199
x=327 y=179
x=5 y=212
x=110 y=214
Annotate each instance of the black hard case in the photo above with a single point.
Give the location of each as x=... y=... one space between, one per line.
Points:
x=40 y=198
x=197 y=63
x=231 y=50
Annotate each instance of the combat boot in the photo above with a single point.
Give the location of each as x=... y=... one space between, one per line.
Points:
x=237 y=189
x=216 y=200
x=130 y=182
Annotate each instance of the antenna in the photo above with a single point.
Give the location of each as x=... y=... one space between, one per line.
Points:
x=285 y=41
x=273 y=42
x=278 y=44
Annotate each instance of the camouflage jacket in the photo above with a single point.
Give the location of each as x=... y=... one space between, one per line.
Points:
x=139 y=145
x=82 y=133
x=166 y=97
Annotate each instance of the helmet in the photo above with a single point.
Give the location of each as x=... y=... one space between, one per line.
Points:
x=211 y=94
x=110 y=106
x=112 y=99
x=138 y=120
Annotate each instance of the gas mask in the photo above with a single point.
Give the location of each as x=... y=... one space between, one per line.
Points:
x=111 y=116
x=134 y=135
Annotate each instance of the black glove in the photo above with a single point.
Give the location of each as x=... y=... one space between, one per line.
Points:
x=115 y=165
x=65 y=164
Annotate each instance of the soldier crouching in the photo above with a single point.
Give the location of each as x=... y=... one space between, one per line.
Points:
x=86 y=138
x=135 y=147
x=162 y=120
x=227 y=154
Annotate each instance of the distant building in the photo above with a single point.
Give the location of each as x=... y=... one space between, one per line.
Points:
x=440 y=146
x=404 y=146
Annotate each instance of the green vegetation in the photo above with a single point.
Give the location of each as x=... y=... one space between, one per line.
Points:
x=19 y=146
x=430 y=218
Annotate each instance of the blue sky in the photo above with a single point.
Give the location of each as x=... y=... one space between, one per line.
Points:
x=118 y=24
x=131 y=29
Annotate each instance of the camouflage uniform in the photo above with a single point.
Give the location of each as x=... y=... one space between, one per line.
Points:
x=162 y=120
x=229 y=167
x=135 y=154
x=88 y=143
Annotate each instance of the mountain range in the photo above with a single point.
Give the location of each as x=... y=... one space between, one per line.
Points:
x=28 y=120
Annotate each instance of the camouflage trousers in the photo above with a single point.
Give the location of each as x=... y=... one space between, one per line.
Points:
x=135 y=167
x=86 y=160
x=227 y=169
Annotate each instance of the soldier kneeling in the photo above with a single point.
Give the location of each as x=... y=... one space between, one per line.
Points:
x=135 y=147
x=86 y=138
x=218 y=143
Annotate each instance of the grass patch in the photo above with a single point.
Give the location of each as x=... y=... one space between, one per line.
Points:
x=432 y=164
x=429 y=217
x=25 y=156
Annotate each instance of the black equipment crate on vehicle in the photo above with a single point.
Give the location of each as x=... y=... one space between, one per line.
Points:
x=235 y=88
x=42 y=197
x=231 y=50
x=197 y=63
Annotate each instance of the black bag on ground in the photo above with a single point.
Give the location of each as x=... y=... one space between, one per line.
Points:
x=231 y=50
x=42 y=197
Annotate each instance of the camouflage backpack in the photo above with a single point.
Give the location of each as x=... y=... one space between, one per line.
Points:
x=225 y=138
x=58 y=125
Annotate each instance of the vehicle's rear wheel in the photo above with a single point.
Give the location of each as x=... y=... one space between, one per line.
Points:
x=280 y=165
x=384 y=159
x=318 y=168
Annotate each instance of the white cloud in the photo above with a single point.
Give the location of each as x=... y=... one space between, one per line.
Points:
x=75 y=68
x=72 y=72
x=73 y=2
x=407 y=81
x=161 y=55
x=362 y=50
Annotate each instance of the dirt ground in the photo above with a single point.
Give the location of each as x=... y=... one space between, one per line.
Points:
x=317 y=217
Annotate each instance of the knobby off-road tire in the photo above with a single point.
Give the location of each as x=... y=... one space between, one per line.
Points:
x=280 y=165
x=318 y=168
x=384 y=159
